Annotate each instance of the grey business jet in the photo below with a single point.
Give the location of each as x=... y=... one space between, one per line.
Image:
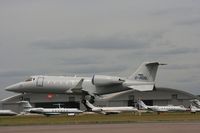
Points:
x=142 y=80
x=49 y=111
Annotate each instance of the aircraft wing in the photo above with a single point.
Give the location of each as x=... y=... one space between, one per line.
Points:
x=51 y=113
x=77 y=88
x=110 y=112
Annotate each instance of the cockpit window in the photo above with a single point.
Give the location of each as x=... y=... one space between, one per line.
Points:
x=30 y=79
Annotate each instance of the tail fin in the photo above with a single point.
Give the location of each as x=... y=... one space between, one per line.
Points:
x=193 y=108
x=58 y=104
x=146 y=72
x=26 y=105
x=196 y=102
x=89 y=105
x=142 y=104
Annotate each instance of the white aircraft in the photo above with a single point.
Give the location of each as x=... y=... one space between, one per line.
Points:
x=196 y=102
x=109 y=110
x=158 y=109
x=7 y=113
x=49 y=111
x=194 y=109
x=142 y=80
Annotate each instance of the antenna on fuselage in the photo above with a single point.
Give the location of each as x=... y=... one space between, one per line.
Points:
x=58 y=104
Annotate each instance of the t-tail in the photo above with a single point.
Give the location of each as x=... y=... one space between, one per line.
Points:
x=196 y=102
x=144 y=76
x=93 y=108
x=26 y=105
x=89 y=105
x=142 y=104
x=146 y=72
x=193 y=109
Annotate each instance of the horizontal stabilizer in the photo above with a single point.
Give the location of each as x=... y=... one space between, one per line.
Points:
x=142 y=87
x=142 y=104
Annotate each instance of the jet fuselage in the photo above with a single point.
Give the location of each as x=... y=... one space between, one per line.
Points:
x=142 y=80
x=62 y=84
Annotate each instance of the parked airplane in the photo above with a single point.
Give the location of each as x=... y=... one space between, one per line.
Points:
x=142 y=80
x=194 y=109
x=109 y=110
x=7 y=113
x=196 y=102
x=49 y=111
x=158 y=109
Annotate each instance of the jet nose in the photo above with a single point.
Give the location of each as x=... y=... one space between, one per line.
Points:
x=14 y=88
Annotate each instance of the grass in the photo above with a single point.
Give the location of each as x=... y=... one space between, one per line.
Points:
x=98 y=118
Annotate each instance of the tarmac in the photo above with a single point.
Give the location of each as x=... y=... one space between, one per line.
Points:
x=193 y=127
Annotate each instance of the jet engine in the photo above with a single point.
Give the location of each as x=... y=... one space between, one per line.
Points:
x=101 y=80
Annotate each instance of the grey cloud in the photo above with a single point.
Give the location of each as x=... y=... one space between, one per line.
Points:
x=14 y=73
x=77 y=61
x=159 y=52
x=23 y=73
x=83 y=60
x=182 y=66
x=179 y=67
x=187 y=15
x=176 y=51
x=112 y=43
x=194 y=21
x=170 y=51
x=171 y=11
x=188 y=79
x=92 y=69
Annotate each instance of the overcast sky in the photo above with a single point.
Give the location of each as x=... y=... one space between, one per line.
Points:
x=112 y=37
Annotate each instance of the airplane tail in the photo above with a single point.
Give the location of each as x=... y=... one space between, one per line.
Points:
x=193 y=108
x=146 y=72
x=89 y=105
x=142 y=104
x=92 y=107
x=196 y=102
x=26 y=105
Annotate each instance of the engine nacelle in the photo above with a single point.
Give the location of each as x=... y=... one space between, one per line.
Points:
x=101 y=80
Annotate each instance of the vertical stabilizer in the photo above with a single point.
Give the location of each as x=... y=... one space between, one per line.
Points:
x=196 y=102
x=26 y=105
x=146 y=72
x=193 y=109
x=89 y=105
x=142 y=104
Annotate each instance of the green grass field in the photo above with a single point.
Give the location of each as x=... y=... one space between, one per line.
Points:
x=98 y=118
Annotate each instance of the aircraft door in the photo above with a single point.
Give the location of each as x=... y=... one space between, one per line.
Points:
x=40 y=81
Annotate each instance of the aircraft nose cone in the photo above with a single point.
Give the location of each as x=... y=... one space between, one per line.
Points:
x=14 y=88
